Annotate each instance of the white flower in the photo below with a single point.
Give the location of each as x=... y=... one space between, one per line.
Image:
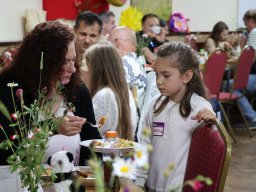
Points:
x=141 y=155
x=144 y=35
x=7 y=55
x=123 y=168
x=30 y=134
x=12 y=84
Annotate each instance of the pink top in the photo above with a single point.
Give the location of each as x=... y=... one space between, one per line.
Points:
x=61 y=142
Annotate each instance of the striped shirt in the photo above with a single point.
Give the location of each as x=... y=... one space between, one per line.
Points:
x=135 y=76
x=252 y=39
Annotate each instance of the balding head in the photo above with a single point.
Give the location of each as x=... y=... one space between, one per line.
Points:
x=124 y=39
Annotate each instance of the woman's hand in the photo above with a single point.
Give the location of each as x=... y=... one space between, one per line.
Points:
x=71 y=125
x=204 y=115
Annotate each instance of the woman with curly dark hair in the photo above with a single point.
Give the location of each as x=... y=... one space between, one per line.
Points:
x=55 y=42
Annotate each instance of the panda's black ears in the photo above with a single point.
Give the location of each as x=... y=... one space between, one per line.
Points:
x=49 y=160
x=70 y=156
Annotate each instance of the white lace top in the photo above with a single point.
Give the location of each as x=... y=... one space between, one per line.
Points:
x=105 y=104
x=61 y=142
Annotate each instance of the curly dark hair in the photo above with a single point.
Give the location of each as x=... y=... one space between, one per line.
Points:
x=51 y=39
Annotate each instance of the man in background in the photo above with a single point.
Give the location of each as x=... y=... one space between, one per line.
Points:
x=88 y=27
x=250 y=23
x=124 y=39
x=108 y=22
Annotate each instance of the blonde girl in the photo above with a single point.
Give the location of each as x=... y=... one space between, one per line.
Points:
x=109 y=90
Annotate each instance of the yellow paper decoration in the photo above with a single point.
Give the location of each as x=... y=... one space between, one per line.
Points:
x=131 y=17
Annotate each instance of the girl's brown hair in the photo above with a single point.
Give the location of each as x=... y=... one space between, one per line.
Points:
x=107 y=71
x=218 y=28
x=184 y=58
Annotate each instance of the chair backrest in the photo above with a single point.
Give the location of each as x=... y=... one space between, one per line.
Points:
x=209 y=155
x=214 y=71
x=243 y=69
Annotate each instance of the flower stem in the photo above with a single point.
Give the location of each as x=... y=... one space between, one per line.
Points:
x=15 y=109
x=9 y=142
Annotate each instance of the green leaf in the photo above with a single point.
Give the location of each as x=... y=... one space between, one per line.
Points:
x=4 y=145
x=13 y=125
x=4 y=110
x=200 y=178
x=208 y=181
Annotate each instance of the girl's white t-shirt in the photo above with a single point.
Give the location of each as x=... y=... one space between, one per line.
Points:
x=170 y=138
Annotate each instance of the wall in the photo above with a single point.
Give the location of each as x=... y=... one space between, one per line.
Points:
x=203 y=14
x=12 y=18
x=243 y=6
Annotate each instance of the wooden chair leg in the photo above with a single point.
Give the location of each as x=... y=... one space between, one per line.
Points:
x=230 y=129
x=244 y=119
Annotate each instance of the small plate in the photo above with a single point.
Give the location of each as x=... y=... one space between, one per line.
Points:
x=101 y=149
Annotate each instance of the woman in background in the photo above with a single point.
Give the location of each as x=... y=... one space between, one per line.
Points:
x=218 y=38
x=109 y=90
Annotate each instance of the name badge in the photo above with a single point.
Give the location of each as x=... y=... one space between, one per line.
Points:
x=158 y=128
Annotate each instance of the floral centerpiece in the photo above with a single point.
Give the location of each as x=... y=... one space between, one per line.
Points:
x=32 y=125
x=142 y=42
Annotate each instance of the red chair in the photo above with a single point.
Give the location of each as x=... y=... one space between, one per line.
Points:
x=242 y=72
x=209 y=155
x=213 y=77
x=214 y=72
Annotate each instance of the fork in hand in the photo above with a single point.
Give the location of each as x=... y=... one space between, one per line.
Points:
x=102 y=121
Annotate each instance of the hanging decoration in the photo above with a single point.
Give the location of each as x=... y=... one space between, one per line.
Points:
x=56 y=9
x=117 y=3
x=96 y=6
x=178 y=23
x=131 y=17
x=69 y=9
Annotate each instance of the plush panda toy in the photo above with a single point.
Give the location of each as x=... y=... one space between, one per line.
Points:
x=62 y=165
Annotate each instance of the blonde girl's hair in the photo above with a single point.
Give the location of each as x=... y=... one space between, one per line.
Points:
x=184 y=58
x=107 y=71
